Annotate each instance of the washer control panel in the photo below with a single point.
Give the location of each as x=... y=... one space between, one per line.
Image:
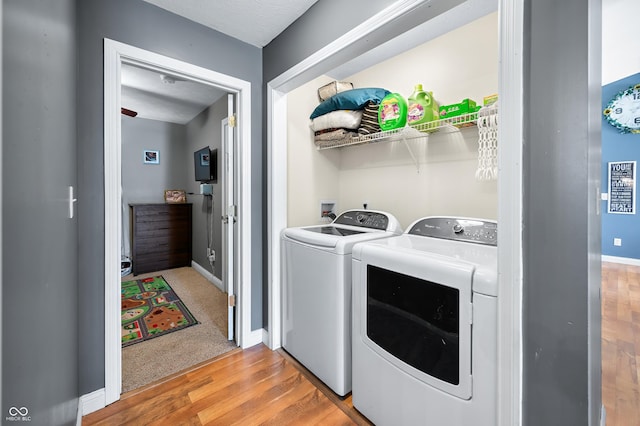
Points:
x=363 y=218
x=479 y=231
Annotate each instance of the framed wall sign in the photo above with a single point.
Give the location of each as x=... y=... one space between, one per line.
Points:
x=622 y=187
x=151 y=157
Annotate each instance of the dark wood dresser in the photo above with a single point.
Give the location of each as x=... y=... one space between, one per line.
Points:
x=161 y=236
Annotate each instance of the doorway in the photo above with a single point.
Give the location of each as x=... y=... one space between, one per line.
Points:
x=175 y=118
x=115 y=54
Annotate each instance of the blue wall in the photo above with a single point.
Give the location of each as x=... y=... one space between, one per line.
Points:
x=619 y=147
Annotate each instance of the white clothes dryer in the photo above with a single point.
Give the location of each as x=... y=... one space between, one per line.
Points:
x=316 y=271
x=425 y=325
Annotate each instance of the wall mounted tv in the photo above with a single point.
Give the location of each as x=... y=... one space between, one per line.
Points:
x=205 y=162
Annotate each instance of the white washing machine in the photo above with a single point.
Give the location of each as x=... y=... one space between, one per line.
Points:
x=316 y=271
x=425 y=325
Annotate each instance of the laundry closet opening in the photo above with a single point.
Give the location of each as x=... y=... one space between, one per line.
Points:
x=336 y=166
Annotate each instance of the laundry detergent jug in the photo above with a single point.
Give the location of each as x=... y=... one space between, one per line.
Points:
x=422 y=108
x=392 y=112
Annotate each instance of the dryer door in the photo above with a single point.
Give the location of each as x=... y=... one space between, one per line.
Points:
x=416 y=313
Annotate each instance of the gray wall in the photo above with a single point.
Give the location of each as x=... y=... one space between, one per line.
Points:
x=326 y=20
x=205 y=130
x=39 y=244
x=561 y=310
x=145 y=183
x=142 y=25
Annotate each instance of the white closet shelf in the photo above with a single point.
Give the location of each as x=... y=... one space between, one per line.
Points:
x=409 y=132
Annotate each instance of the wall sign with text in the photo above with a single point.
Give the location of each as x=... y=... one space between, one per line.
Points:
x=622 y=187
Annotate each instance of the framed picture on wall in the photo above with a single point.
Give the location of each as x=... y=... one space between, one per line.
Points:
x=622 y=187
x=175 y=196
x=151 y=157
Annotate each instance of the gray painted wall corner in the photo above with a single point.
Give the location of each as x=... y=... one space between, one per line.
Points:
x=560 y=323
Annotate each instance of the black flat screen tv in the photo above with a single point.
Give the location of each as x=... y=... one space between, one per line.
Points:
x=205 y=164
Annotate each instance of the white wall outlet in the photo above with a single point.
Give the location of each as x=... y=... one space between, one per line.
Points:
x=604 y=196
x=617 y=242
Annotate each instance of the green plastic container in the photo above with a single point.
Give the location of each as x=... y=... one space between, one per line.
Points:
x=465 y=107
x=392 y=112
x=422 y=108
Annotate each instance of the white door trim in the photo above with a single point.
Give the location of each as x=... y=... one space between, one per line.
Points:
x=510 y=211
x=114 y=54
x=509 y=188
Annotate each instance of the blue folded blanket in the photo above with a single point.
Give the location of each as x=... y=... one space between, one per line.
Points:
x=350 y=99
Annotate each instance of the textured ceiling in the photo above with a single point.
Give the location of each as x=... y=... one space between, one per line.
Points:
x=152 y=96
x=256 y=22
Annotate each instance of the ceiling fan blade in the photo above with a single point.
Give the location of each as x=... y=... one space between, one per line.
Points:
x=128 y=112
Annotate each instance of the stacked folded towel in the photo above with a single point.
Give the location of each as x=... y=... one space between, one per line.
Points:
x=346 y=115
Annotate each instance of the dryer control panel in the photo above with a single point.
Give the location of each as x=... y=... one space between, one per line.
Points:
x=363 y=218
x=479 y=231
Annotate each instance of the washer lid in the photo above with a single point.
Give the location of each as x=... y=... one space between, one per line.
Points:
x=351 y=227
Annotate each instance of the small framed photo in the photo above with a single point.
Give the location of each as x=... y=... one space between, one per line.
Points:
x=173 y=196
x=151 y=157
x=204 y=159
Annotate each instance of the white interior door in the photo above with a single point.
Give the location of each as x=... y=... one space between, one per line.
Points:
x=229 y=211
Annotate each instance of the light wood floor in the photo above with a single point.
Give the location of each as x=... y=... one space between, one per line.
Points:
x=260 y=386
x=621 y=344
x=250 y=387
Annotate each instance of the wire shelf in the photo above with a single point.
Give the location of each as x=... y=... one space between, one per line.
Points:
x=408 y=132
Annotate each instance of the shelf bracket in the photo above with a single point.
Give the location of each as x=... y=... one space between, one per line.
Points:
x=413 y=156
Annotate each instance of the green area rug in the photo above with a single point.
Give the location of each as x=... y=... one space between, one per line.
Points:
x=150 y=308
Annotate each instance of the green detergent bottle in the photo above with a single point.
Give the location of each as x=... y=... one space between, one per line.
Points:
x=422 y=107
x=392 y=112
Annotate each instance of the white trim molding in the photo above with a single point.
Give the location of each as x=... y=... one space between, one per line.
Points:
x=621 y=260
x=510 y=211
x=115 y=53
x=208 y=275
x=91 y=402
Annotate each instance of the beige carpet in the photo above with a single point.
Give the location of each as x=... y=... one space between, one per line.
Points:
x=154 y=359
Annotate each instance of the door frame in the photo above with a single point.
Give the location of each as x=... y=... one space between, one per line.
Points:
x=229 y=239
x=510 y=192
x=115 y=53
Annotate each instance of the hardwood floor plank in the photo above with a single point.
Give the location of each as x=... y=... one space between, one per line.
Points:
x=621 y=343
x=222 y=379
x=276 y=383
x=260 y=408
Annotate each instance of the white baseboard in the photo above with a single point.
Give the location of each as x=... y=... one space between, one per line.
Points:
x=91 y=402
x=623 y=260
x=255 y=337
x=209 y=276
